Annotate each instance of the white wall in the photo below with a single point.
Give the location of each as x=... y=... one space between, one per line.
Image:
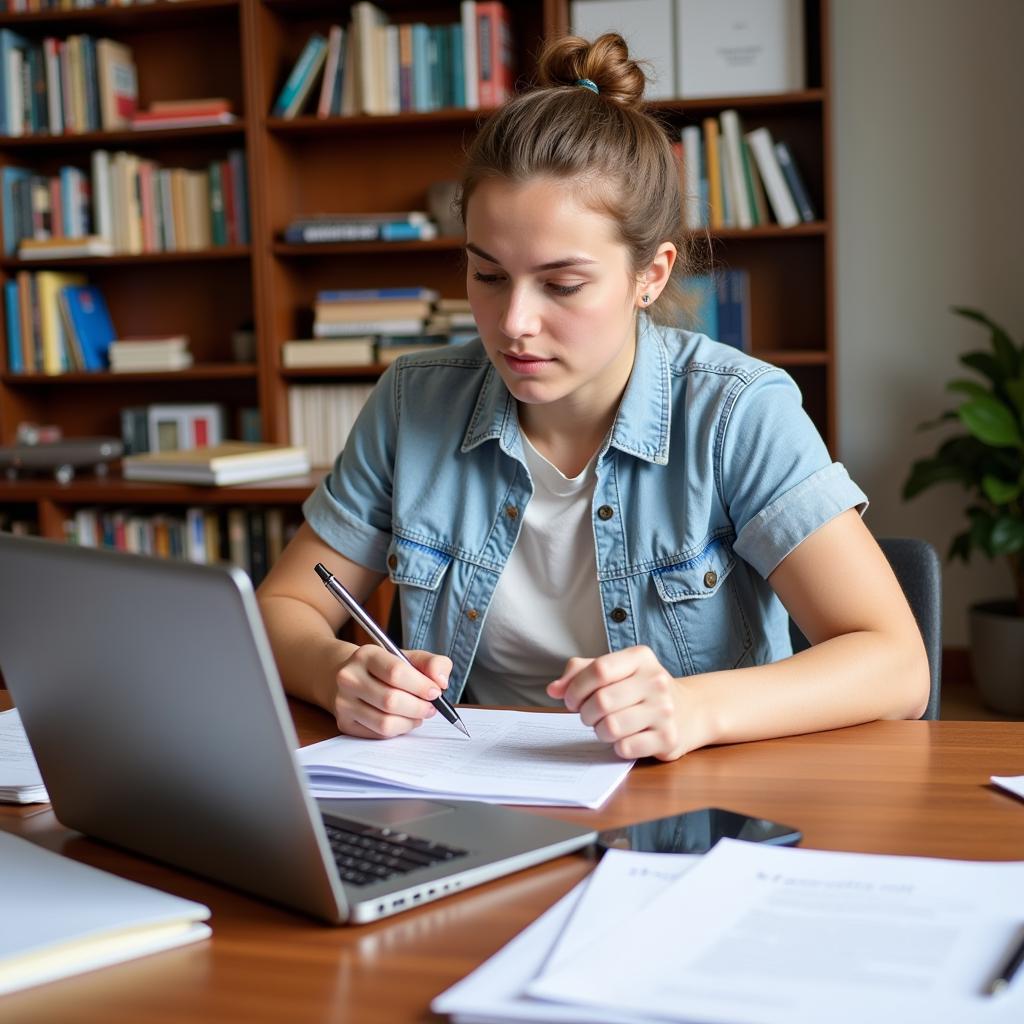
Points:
x=928 y=132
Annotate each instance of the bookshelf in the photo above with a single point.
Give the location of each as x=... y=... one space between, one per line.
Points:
x=243 y=49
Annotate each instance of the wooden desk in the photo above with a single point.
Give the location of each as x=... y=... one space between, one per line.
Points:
x=888 y=787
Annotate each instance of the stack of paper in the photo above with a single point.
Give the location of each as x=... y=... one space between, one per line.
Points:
x=514 y=757
x=61 y=917
x=20 y=781
x=758 y=934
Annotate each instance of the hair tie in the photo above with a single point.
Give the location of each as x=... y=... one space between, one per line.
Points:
x=588 y=84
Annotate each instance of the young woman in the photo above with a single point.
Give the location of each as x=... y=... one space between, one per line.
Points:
x=584 y=507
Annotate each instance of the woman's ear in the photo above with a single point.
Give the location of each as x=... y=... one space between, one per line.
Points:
x=652 y=281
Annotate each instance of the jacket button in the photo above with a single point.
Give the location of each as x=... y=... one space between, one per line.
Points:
x=710 y=578
x=472 y=615
x=605 y=512
x=392 y=561
x=511 y=511
x=619 y=615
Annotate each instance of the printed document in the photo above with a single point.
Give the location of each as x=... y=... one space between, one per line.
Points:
x=20 y=781
x=758 y=934
x=513 y=757
x=1011 y=783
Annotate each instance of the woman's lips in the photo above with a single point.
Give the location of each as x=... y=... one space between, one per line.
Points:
x=526 y=363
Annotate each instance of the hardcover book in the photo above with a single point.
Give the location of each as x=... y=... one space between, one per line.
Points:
x=231 y=462
x=89 y=324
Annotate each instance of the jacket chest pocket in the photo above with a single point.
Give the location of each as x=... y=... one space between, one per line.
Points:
x=418 y=571
x=701 y=608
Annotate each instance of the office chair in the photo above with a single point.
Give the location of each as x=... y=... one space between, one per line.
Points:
x=916 y=565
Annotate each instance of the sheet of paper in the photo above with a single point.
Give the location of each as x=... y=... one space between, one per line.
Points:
x=20 y=781
x=513 y=757
x=495 y=991
x=757 y=934
x=1012 y=783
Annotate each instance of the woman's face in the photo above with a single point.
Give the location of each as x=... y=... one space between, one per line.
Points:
x=553 y=293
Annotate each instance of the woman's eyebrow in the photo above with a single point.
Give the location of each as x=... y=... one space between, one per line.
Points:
x=568 y=261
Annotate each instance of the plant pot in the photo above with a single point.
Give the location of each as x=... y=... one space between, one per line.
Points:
x=997 y=655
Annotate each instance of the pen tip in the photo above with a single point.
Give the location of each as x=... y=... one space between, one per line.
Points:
x=322 y=572
x=462 y=728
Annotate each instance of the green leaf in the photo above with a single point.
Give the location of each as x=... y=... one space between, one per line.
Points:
x=1007 y=536
x=969 y=387
x=1006 y=352
x=960 y=548
x=926 y=473
x=985 y=364
x=998 y=491
x=989 y=420
x=981 y=529
x=946 y=417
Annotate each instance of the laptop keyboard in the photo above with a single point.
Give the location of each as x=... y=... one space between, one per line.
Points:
x=366 y=854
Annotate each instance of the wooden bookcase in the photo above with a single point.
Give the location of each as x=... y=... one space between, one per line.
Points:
x=243 y=49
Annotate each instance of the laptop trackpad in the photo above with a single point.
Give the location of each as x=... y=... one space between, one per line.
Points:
x=384 y=813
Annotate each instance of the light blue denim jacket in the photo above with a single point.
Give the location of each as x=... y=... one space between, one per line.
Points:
x=711 y=474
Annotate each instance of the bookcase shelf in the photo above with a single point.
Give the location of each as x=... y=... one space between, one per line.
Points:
x=159 y=14
x=226 y=133
x=243 y=50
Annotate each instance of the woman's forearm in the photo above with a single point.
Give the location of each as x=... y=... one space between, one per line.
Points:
x=849 y=679
x=307 y=653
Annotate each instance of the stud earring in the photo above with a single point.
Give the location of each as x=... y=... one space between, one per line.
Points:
x=645 y=299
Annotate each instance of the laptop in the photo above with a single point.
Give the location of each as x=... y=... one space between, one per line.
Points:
x=152 y=703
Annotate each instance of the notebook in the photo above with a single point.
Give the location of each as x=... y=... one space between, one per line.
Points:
x=150 y=696
x=61 y=917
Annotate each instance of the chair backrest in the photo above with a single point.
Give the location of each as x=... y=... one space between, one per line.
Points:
x=918 y=568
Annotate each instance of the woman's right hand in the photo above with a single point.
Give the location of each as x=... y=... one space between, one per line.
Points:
x=377 y=695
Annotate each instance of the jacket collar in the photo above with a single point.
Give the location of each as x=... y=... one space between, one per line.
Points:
x=642 y=424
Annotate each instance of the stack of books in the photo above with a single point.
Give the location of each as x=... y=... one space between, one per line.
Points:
x=196 y=113
x=150 y=354
x=407 y=226
x=346 y=313
x=230 y=462
x=454 y=319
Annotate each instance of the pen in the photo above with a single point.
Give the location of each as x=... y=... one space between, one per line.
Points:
x=1010 y=966
x=379 y=636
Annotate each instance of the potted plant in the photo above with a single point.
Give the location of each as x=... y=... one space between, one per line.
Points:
x=987 y=459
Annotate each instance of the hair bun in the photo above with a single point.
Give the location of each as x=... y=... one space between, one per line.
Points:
x=605 y=61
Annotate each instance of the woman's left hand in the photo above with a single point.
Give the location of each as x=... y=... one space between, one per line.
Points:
x=633 y=703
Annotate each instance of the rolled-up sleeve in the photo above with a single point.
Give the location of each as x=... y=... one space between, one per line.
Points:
x=351 y=508
x=777 y=478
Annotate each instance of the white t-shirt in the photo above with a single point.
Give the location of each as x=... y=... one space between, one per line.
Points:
x=547 y=605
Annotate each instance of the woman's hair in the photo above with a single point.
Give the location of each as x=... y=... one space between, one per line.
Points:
x=616 y=155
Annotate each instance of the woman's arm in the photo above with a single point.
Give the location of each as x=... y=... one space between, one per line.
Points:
x=370 y=692
x=868 y=662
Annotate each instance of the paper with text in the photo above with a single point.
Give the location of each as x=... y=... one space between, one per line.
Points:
x=757 y=934
x=20 y=781
x=514 y=757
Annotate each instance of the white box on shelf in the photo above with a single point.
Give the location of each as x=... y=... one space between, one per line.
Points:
x=739 y=47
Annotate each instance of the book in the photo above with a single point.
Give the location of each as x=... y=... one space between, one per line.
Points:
x=735 y=180
x=779 y=196
x=648 y=28
x=148 y=121
x=62 y=917
x=12 y=321
x=230 y=462
x=354 y=351
x=300 y=81
x=89 y=324
x=118 y=88
x=387 y=354
x=385 y=309
x=64 y=248
x=470 y=65
x=372 y=294
x=410 y=226
x=733 y=290
x=739 y=47
x=495 y=57
x=701 y=297
x=332 y=71
x=412 y=325
x=56 y=346
x=784 y=156
x=20 y=781
x=712 y=153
